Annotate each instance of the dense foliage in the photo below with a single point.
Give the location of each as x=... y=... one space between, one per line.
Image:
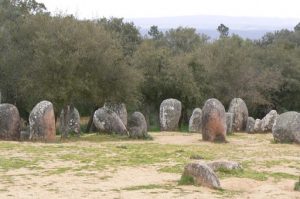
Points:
x=89 y=62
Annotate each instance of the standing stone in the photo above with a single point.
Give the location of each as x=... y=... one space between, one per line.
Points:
x=240 y=114
x=9 y=122
x=250 y=125
x=69 y=121
x=42 y=122
x=202 y=175
x=195 y=121
x=119 y=109
x=213 y=121
x=137 y=126
x=268 y=121
x=229 y=121
x=108 y=121
x=169 y=114
x=287 y=128
x=0 y=97
x=257 y=126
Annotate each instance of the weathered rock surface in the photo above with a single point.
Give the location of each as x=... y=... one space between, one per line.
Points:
x=119 y=109
x=69 y=121
x=257 y=126
x=9 y=122
x=42 y=122
x=202 y=174
x=195 y=121
x=108 y=121
x=213 y=121
x=268 y=121
x=224 y=164
x=287 y=128
x=137 y=126
x=250 y=125
x=169 y=114
x=229 y=121
x=240 y=114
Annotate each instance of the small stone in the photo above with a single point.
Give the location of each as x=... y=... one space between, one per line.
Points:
x=169 y=114
x=69 y=121
x=240 y=114
x=24 y=135
x=119 y=109
x=229 y=122
x=42 y=122
x=195 y=121
x=223 y=164
x=268 y=121
x=137 y=126
x=287 y=128
x=9 y=122
x=213 y=121
x=250 y=125
x=257 y=126
x=202 y=174
x=108 y=121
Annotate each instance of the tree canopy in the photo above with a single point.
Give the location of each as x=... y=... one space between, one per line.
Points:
x=89 y=62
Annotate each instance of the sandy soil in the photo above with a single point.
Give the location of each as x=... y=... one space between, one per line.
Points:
x=125 y=182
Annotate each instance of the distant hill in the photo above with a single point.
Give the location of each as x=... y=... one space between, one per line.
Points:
x=246 y=27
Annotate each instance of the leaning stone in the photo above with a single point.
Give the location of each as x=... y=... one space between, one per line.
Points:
x=137 y=126
x=287 y=128
x=213 y=121
x=250 y=125
x=240 y=114
x=119 y=109
x=227 y=165
x=195 y=121
x=169 y=114
x=69 y=121
x=268 y=121
x=42 y=122
x=108 y=121
x=9 y=122
x=229 y=121
x=202 y=175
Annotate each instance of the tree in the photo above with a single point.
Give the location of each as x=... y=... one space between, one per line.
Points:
x=83 y=65
x=16 y=49
x=155 y=33
x=297 y=27
x=126 y=32
x=165 y=76
x=223 y=30
x=235 y=70
x=184 y=40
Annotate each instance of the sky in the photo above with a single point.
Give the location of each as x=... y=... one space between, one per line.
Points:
x=90 y=9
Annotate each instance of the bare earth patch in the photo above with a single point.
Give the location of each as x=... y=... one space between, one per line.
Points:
x=146 y=169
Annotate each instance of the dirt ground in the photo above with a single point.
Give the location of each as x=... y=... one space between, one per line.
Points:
x=146 y=180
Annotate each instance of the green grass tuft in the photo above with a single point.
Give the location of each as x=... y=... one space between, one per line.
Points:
x=297 y=185
x=186 y=180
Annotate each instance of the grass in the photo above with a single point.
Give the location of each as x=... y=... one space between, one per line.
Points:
x=149 y=186
x=186 y=180
x=297 y=185
x=94 y=153
x=13 y=163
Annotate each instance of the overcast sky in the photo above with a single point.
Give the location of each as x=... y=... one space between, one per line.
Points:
x=161 y=8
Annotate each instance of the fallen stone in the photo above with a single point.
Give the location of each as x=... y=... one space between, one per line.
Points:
x=202 y=175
